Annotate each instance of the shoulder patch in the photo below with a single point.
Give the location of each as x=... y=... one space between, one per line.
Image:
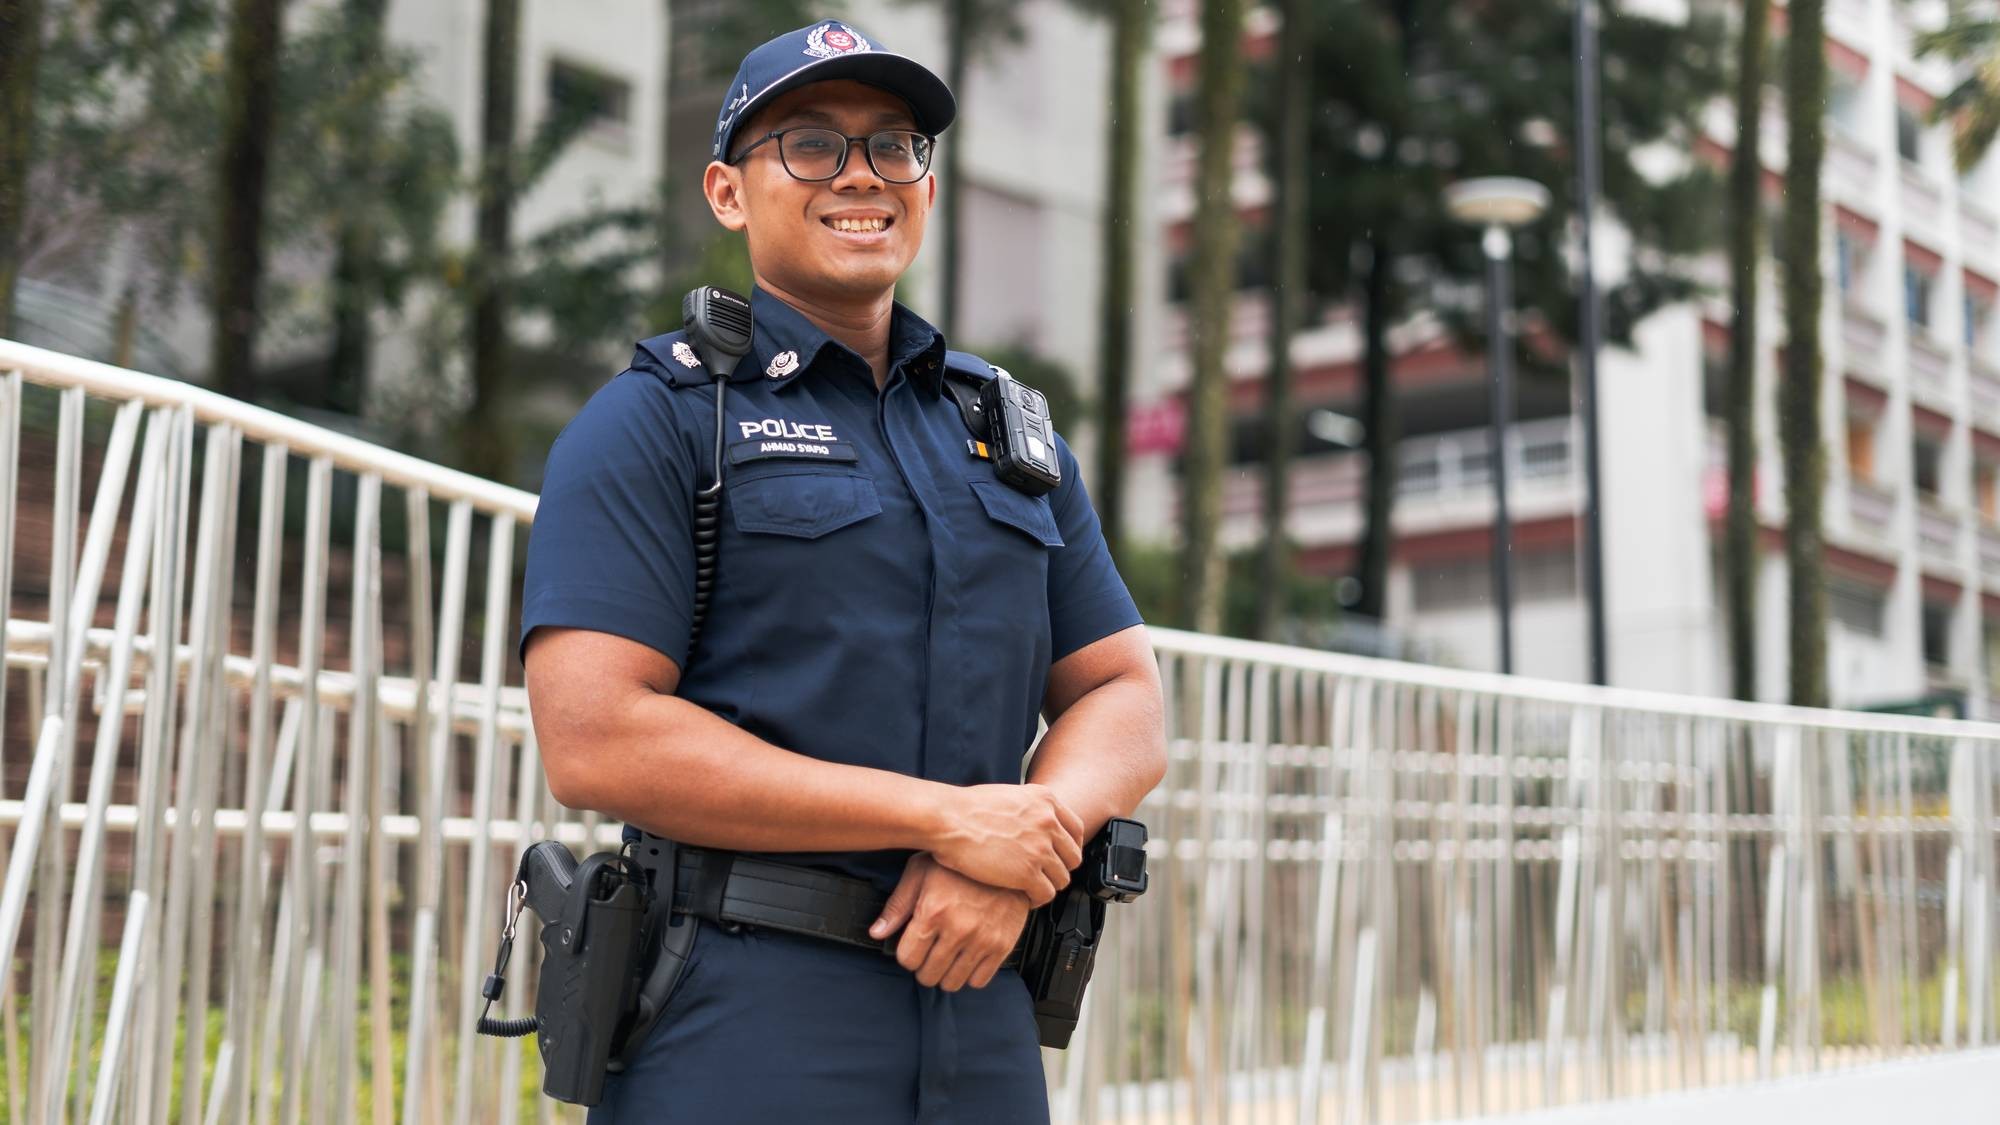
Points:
x=967 y=367
x=673 y=359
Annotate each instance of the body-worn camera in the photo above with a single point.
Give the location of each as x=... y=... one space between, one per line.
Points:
x=1022 y=438
x=1059 y=947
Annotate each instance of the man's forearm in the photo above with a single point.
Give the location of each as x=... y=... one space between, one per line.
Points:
x=1105 y=752
x=676 y=770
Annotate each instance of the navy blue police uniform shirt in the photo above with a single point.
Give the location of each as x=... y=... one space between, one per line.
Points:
x=883 y=600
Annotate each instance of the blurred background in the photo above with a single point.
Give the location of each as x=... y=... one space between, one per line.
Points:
x=1219 y=234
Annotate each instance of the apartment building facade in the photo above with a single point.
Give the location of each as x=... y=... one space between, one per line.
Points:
x=1911 y=405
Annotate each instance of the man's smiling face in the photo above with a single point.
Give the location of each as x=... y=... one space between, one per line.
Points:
x=840 y=239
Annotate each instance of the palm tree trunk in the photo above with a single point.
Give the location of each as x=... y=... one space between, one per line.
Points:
x=958 y=51
x=1798 y=400
x=354 y=268
x=1129 y=35
x=1746 y=176
x=249 y=109
x=20 y=55
x=486 y=448
x=1288 y=293
x=1383 y=430
x=1220 y=82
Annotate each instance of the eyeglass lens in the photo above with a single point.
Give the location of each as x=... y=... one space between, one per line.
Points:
x=897 y=155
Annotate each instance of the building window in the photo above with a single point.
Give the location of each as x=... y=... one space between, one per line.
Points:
x=1459 y=584
x=1909 y=134
x=1861 y=447
x=1978 y=321
x=1937 y=633
x=1986 y=489
x=1852 y=253
x=600 y=102
x=1843 y=100
x=1855 y=607
x=1993 y=653
x=1917 y=287
x=1927 y=461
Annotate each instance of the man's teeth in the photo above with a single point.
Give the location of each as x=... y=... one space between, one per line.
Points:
x=859 y=225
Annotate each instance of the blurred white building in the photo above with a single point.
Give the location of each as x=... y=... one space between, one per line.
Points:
x=1911 y=409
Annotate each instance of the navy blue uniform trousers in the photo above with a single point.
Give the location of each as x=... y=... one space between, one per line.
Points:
x=767 y=1028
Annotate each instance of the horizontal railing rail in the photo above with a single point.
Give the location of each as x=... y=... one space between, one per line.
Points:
x=261 y=880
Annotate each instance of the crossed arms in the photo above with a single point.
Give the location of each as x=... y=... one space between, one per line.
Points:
x=615 y=738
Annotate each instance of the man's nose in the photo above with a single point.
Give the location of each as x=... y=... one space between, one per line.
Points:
x=857 y=174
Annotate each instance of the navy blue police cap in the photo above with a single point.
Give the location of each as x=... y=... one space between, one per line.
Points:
x=828 y=50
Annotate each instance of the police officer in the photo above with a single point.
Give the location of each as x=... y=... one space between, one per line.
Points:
x=888 y=621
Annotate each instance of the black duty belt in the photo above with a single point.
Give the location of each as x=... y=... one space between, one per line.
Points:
x=739 y=890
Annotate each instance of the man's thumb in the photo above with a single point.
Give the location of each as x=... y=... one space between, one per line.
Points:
x=897 y=910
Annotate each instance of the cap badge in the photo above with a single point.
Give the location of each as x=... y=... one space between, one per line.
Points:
x=782 y=364
x=685 y=354
x=831 y=39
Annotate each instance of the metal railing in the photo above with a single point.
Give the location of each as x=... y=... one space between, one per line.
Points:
x=267 y=767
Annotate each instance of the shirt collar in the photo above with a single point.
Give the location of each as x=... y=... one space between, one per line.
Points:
x=784 y=345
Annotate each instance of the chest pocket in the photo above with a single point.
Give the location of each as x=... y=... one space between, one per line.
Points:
x=804 y=503
x=1029 y=515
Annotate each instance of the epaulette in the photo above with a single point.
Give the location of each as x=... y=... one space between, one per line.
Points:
x=964 y=375
x=968 y=368
x=677 y=361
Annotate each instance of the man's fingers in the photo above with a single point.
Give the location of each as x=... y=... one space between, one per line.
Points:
x=1042 y=891
x=1072 y=824
x=987 y=970
x=938 y=965
x=914 y=947
x=1069 y=853
x=961 y=971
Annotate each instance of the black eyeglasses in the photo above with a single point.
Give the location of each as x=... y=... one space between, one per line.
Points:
x=900 y=156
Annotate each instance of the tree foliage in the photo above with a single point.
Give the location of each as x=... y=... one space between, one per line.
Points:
x=131 y=96
x=20 y=59
x=1415 y=94
x=1970 y=39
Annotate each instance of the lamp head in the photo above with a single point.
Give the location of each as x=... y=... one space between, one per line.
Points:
x=1496 y=201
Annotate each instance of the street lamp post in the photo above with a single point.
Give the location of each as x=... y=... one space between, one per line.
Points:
x=1499 y=204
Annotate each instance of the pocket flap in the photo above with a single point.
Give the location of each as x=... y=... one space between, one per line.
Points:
x=806 y=504
x=1030 y=514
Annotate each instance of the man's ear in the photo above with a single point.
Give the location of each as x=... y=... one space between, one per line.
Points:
x=930 y=190
x=722 y=186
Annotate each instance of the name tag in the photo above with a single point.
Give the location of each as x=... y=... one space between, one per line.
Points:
x=791 y=449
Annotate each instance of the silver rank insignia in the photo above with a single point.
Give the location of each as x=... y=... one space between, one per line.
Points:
x=686 y=354
x=782 y=364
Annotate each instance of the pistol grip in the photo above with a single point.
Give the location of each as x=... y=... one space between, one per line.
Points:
x=548 y=869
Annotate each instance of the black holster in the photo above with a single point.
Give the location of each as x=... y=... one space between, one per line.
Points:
x=611 y=957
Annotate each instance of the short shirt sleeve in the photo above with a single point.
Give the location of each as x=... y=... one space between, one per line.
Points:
x=1088 y=601
x=612 y=546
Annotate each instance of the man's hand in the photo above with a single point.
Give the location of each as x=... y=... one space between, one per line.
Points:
x=959 y=930
x=1020 y=837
